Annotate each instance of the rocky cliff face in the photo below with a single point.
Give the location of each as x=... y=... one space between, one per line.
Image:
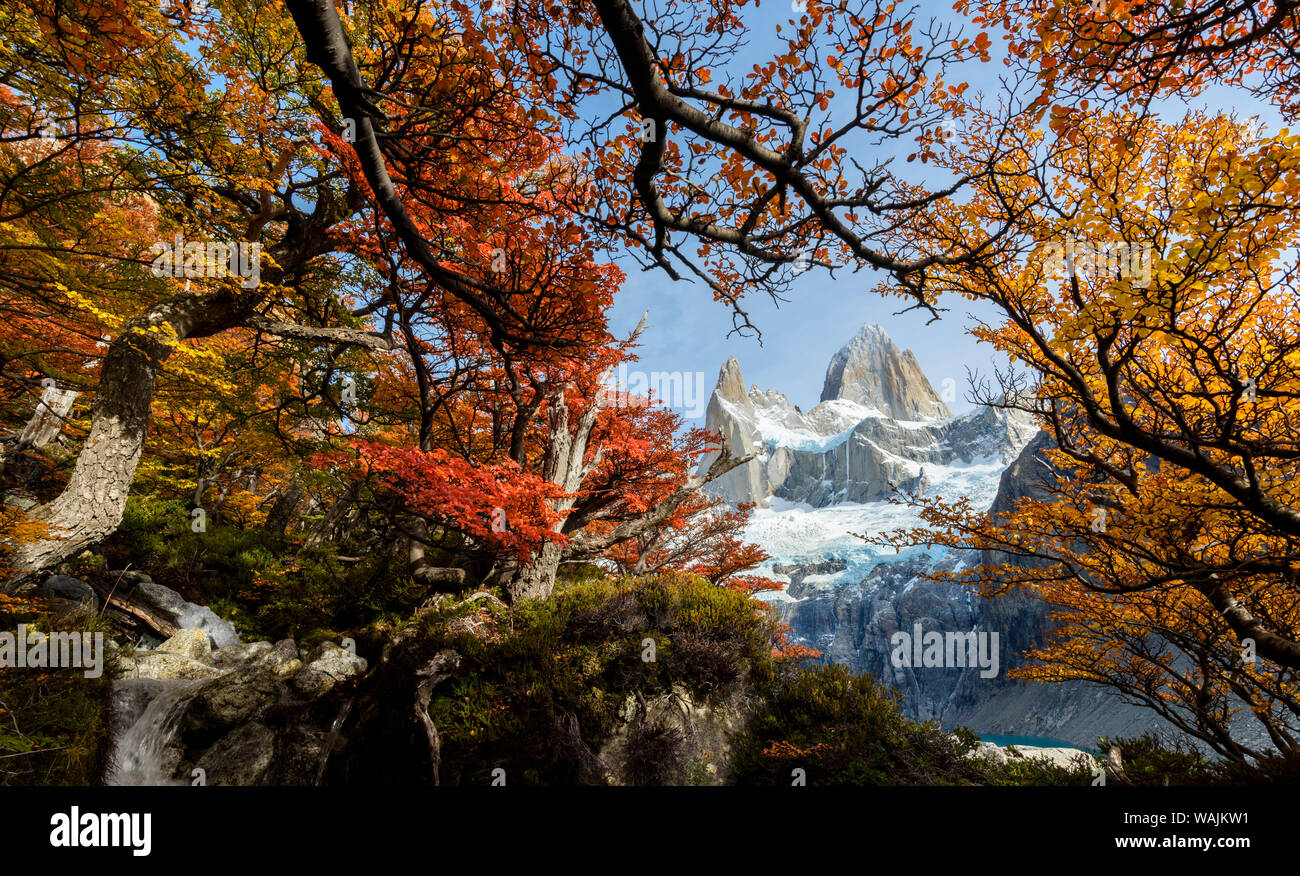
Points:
x=880 y=456
x=852 y=623
x=870 y=370
x=877 y=432
x=845 y=451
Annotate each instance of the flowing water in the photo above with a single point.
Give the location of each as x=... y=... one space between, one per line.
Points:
x=331 y=739
x=143 y=727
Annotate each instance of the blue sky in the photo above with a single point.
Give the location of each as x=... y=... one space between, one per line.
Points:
x=688 y=332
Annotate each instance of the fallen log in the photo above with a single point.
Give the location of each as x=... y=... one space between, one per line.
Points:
x=115 y=596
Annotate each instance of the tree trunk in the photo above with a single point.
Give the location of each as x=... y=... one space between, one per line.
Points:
x=536 y=581
x=91 y=506
x=282 y=512
x=46 y=423
x=443 y=579
x=323 y=529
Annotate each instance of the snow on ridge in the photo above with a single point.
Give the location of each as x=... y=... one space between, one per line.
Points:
x=825 y=427
x=798 y=533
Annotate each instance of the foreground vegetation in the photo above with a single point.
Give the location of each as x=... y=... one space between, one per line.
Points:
x=663 y=679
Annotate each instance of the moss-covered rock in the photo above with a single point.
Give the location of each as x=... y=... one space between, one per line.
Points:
x=551 y=691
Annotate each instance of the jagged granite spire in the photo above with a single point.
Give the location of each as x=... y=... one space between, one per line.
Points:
x=872 y=371
x=731 y=385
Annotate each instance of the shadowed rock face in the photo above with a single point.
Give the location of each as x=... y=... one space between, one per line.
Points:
x=852 y=624
x=881 y=456
x=872 y=371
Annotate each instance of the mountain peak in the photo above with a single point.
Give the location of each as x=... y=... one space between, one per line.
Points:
x=872 y=371
x=731 y=386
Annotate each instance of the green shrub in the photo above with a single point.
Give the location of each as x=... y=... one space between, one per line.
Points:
x=842 y=728
x=540 y=687
x=1150 y=760
x=266 y=588
x=53 y=722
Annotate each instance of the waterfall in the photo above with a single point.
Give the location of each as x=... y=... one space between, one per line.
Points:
x=142 y=724
x=331 y=739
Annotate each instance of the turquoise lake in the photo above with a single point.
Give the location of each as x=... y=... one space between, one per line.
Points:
x=1039 y=741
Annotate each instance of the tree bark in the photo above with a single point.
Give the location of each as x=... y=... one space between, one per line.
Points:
x=537 y=581
x=282 y=512
x=437 y=578
x=142 y=615
x=46 y=423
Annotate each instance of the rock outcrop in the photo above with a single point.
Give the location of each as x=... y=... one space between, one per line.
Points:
x=852 y=624
x=245 y=714
x=880 y=457
x=871 y=371
x=1066 y=758
x=672 y=739
x=731 y=414
x=842 y=450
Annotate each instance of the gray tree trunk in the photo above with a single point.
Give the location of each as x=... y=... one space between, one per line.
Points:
x=46 y=423
x=537 y=581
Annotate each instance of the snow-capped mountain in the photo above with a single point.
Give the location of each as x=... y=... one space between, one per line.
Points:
x=837 y=465
x=819 y=476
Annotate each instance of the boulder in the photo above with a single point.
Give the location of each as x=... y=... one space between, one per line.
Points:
x=67 y=587
x=302 y=751
x=671 y=739
x=282 y=660
x=128 y=578
x=245 y=653
x=176 y=608
x=327 y=665
x=193 y=644
x=310 y=683
x=335 y=661
x=241 y=757
x=162 y=666
x=124 y=658
x=241 y=695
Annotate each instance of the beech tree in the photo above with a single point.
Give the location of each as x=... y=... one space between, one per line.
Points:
x=204 y=165
x=526 y=481
x=1135 y=51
